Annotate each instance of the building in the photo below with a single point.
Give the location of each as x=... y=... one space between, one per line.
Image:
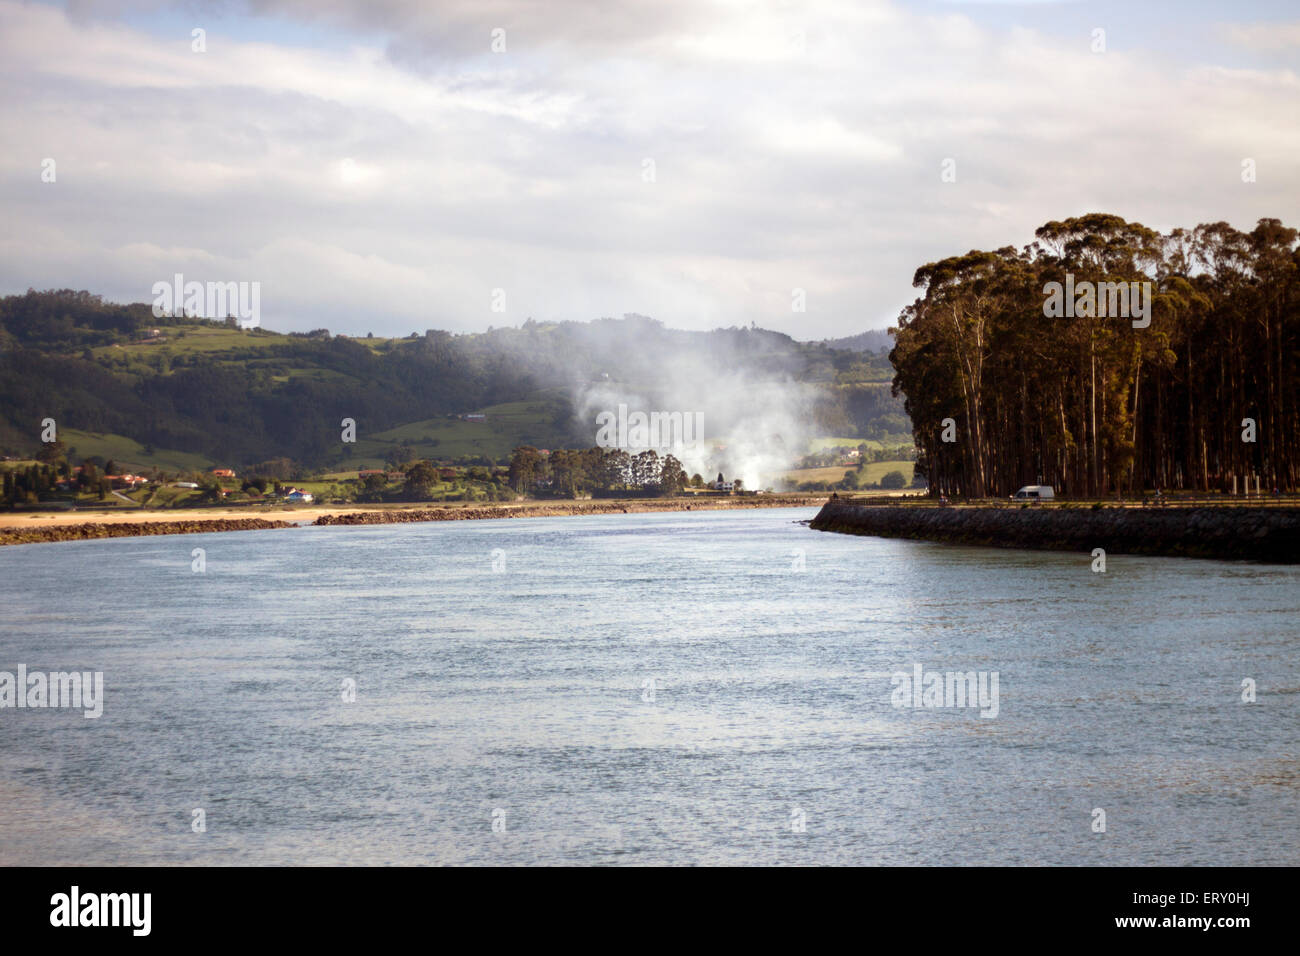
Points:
x=223 y=472
x=476 y=418
x=295 y=496
x=721 y=485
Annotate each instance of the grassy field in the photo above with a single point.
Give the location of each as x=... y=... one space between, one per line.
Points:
x=507 y=426
x=184 y=339
x=194 y=338
x=818 y=444
x=832 y=474
x=877 y=469
x=313 y=375
x=874 y=471
x=130 y=453
x=167 y=497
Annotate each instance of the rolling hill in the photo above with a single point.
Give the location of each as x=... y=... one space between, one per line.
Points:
x=181 y=393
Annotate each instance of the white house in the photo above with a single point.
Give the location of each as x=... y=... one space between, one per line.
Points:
x=299 y=497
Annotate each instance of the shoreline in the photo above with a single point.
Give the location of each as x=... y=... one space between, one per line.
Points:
x=1265 y=534
x=43 y=527
x=46 y=534
x=549 y=509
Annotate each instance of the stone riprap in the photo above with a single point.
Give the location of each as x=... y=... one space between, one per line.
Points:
x=1234 y=533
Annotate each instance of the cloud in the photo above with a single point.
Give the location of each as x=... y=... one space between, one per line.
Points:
x=1265 y=36
x=377 y=167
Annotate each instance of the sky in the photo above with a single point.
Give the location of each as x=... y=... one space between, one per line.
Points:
x=400 y=165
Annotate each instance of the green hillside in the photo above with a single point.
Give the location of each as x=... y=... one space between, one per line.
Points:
x=130 y=453
x=507 y=426
x=179 y=393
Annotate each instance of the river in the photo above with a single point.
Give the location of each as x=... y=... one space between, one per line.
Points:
x=675 y=688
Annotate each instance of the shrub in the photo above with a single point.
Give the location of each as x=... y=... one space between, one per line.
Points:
x=893 y=480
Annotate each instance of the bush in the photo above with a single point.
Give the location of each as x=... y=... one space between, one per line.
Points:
x=893 y=480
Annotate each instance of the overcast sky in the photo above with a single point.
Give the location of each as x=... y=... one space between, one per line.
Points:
x=378 y=167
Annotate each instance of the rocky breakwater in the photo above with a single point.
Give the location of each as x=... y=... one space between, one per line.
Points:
x=1232 y=533
x=430 y=514
x=131 y=529
x=560 y=508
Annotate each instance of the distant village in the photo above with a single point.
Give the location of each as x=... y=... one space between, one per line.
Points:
x=34 y=484
x=52 y=480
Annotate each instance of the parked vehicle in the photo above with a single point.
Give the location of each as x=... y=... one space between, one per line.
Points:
x=1035 y=493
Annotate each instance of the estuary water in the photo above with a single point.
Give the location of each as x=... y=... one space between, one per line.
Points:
x=694 y=688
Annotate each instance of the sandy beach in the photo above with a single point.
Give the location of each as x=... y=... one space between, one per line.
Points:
x=36 y=527
x=60 y=519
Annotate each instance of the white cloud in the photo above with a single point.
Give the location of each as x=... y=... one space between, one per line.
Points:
x=391 y=181
x=1265 y=36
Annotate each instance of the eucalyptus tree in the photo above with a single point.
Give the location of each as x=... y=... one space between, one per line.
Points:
x=1003 y=389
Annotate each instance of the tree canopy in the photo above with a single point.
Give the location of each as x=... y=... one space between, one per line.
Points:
x=1097 y=404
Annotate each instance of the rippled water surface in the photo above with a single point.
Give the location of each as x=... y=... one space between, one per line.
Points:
x=652 y=688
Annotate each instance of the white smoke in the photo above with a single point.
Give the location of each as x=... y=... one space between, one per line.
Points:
x=753 y=427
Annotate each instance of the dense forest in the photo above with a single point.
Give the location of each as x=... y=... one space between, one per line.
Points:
x=1099 y=405
x=241 y=396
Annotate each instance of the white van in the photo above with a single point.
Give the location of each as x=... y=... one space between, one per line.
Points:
x=1035 y=493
